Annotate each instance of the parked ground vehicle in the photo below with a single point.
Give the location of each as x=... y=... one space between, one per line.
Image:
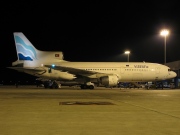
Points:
x=159 y=85
x=129 y=85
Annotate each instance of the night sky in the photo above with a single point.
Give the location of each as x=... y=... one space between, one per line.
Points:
x=93 y=30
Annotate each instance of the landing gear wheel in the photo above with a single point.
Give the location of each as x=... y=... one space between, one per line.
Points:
x=91 y=87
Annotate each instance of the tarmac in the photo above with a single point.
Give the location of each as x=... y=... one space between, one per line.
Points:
x=31 y=110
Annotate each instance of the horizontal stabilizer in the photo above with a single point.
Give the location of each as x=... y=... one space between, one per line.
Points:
x=23 y=69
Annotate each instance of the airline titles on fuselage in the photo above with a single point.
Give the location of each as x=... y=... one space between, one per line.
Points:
x=140 y=66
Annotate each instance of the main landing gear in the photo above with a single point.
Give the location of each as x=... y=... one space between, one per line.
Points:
x=52 y=85
x=87 y=85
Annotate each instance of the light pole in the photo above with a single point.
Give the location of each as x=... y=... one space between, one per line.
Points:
x=127 y=52
x=164 y=33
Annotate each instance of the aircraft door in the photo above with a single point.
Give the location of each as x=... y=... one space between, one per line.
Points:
x=122 y=70
x=157 y=70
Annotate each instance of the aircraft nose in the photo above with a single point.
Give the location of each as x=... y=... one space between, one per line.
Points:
x=173 y=74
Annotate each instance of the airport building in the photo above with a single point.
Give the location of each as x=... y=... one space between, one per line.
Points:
x=175 y=66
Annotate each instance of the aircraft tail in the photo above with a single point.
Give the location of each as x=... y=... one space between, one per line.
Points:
x=27 y=53
x=25 y=49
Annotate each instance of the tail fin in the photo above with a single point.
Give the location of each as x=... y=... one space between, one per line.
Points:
x=28 y=55
x=25 y=50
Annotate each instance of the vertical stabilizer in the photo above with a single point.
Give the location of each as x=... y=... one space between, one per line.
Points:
x=25 y=50
x=29 y=56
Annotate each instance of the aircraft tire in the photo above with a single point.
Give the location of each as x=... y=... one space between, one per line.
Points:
x=82 y=87
x=91 y=87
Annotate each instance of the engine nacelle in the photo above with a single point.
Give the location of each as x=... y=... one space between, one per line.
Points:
x=111 y=80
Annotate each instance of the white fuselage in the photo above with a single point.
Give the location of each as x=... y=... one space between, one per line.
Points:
x=125 y=71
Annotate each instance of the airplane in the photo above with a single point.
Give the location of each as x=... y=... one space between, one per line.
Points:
x=50 y=66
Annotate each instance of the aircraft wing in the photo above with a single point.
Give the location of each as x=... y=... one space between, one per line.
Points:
x=22 y=69
x=71 y=70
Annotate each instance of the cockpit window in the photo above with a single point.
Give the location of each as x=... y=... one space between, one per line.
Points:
x=169 y=69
